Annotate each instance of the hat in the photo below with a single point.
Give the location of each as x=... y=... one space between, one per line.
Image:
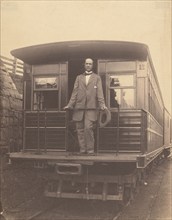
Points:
x=104 y=118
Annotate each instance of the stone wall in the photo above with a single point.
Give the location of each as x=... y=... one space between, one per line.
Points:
x=10 y=111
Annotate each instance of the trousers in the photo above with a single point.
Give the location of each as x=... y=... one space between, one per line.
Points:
x=85 y=134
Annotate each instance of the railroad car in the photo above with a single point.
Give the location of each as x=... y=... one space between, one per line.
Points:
x=136 y=137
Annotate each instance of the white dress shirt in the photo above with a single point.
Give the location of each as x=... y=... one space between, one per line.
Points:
x=87 y=77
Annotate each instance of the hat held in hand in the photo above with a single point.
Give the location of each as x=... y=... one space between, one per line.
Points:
x=104 y=118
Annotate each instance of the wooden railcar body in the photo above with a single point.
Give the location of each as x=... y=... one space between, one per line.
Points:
x=129 y=142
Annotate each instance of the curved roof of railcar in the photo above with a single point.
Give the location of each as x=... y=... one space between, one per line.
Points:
x=64 y=51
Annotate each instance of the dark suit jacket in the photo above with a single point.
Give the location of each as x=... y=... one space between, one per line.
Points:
x=88 y=96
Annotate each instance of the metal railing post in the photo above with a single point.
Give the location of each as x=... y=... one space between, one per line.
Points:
x=38 y=137
x=45 y=128
x=67 y=130
x=24 y=131
x=117 y=131
x=97 y=128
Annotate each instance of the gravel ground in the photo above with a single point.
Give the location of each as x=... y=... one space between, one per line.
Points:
x=19 y=185
x=154 y=200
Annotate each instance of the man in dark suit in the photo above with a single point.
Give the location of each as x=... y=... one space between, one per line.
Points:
x=86 y=98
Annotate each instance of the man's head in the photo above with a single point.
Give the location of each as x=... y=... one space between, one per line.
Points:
x=88 y=64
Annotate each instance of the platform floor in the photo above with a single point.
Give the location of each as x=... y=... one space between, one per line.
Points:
x=68 y=156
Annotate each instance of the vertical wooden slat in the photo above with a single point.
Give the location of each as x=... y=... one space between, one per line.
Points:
x=14 y=65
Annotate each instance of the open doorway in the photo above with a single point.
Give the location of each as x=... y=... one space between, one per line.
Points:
x=75 y=67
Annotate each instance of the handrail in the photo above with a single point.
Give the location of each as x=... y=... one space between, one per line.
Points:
x=83 y=109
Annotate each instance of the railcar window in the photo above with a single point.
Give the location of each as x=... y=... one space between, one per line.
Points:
x=46 y=94
x=121 y=91
x=118 y=79
x=49 y=86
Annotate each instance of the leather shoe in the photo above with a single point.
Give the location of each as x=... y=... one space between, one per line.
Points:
x=81 y=153
x=90 y=153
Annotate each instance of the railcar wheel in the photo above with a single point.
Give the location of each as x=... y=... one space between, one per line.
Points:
x=166 y=153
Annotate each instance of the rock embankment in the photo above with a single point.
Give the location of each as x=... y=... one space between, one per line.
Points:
x=10 y=110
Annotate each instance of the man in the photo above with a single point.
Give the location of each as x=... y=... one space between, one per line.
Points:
x=87 y=96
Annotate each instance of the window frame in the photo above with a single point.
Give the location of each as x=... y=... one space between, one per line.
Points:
x=103 y=71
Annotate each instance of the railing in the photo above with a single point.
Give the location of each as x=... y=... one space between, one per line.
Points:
x=54 y=130
x=124 y=133
x=44 y=130
x=13 y=66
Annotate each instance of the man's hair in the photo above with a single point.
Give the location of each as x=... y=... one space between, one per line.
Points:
x=89 y=59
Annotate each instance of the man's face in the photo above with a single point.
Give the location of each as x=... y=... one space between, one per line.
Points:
x=88 y=64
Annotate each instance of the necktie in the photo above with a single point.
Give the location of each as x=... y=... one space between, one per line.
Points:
x=88 y=73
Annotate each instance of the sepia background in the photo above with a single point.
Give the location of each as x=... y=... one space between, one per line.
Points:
x=25 y=23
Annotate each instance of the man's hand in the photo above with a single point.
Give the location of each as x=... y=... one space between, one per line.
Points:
x=66 y=107
x=103 y=108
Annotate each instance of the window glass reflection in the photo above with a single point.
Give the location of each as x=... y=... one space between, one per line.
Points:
x=122 y=97
x=127 y=98
x=45 y=83
x=45 y=100
x=114 y=98
x=121 y=80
